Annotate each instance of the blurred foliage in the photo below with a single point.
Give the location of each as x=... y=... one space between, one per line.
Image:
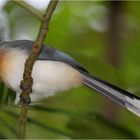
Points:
x=79 y=29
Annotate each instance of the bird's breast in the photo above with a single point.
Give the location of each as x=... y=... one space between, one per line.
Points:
x=48 y=76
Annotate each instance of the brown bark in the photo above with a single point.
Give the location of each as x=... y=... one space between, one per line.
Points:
x=26 y=84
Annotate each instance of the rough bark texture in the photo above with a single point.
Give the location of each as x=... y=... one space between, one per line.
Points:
x=26 y=84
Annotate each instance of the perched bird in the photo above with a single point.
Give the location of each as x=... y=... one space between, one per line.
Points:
x=55 y=71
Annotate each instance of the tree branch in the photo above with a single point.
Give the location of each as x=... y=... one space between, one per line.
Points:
x=29 y=8
x=26 y=84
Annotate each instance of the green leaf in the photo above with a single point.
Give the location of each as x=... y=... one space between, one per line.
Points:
x=98 y=127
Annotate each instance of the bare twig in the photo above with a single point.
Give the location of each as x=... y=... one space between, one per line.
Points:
x=29 y=8
x=26 y=84
x=22 y=121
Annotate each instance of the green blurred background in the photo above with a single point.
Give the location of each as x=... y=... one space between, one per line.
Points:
x=105 y=38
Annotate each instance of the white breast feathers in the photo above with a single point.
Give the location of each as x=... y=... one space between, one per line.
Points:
x=49 y=77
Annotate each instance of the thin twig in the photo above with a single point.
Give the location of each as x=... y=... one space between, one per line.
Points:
x=29 y=8
x=22 y=121
x=26 y=84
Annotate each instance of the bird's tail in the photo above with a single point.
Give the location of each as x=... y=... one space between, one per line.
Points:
x=124 y=98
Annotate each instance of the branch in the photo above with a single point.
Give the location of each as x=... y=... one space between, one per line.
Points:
x=26 y=84
x=29 y=8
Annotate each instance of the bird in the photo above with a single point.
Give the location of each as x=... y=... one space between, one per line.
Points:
x=53 y=72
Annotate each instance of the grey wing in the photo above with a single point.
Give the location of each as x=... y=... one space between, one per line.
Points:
x=47 y=53
x=18 y=44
